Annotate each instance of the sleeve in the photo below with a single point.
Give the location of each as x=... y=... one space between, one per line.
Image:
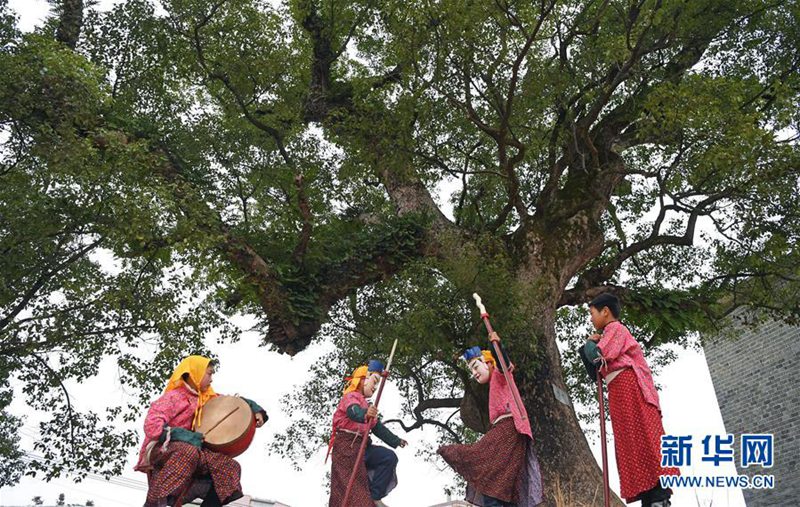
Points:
x=503 y=352
x=612 y=344
x=161 y=412
x=385 y=434
x=588 y=354
x=591 y=351
x=256 y=408
x=183 y=435
x=356 y=413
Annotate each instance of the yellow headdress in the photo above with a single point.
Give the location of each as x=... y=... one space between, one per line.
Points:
x=488 y=358
x=195 y=367
x=355 y=379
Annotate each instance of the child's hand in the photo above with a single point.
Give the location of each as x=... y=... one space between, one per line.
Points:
x=372 y=412
x=259 y=420
x=403 y=443
x=595 y=337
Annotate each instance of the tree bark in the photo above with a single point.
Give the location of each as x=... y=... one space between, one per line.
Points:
x=565 y=458
x=551 y=253
x=70 y=22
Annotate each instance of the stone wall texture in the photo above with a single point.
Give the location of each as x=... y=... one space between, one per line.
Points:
x=756 y=375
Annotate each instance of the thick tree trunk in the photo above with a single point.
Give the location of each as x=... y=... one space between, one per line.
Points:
x=569 y=469
x=554 y=253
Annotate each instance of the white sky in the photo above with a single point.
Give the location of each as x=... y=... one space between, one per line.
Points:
x=688 y=403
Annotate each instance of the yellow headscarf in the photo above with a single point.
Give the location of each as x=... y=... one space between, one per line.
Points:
x=195 y=367
x=359 y=374
x=488 y=358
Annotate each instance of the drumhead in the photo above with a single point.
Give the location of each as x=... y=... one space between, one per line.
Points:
x=233 y=427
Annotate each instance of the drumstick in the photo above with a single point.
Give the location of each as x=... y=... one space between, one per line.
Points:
x=220 y=421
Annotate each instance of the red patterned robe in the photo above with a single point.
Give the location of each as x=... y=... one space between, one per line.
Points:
x=502 y=464
x=635 y=412
x=347 y=436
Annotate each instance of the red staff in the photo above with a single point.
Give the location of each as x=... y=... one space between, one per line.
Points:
x=494 y=338
x=363 y=447
x=604 y=451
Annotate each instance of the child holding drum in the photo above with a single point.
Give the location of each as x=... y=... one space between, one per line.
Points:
x=178 y=467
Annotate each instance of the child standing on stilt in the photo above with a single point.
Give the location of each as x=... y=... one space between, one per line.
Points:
x=353 y=420
x=501 y=469
x=632 y=404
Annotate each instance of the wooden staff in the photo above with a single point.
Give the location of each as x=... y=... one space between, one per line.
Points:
x=494 y=338
x=363 y=447
x=603 y=450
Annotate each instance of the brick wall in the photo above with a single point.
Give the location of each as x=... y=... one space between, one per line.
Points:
x=756 y=375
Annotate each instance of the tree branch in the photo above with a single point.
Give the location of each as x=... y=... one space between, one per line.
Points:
x=307 y=218
x=46 y=277
x=223 y=78
x=55 y=377
x=592 y=282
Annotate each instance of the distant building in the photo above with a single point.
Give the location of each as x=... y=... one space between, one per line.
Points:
x=757 y=381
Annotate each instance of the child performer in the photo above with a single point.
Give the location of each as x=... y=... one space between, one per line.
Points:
x=501 y=469
x=632 y=404
x=172 y=455
x=375 y=476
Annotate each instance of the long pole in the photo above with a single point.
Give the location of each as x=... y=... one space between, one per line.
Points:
x=603 y=449
x=494 y=338
x=363 y=447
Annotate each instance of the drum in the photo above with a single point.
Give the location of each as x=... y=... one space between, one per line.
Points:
x=228 y=425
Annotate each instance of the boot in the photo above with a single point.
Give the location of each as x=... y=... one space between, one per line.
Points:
x=656 y=497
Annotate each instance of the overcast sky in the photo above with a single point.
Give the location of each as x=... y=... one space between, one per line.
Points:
x=687 y=398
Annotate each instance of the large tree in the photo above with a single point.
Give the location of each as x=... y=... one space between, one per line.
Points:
x=80 y=280
x=369 y=165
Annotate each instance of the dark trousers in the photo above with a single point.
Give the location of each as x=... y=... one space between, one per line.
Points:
x=489 y=501
x=382 y=462
x=211 y=499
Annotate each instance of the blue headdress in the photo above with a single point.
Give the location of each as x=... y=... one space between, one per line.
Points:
x=375 y=366
x=471 y=353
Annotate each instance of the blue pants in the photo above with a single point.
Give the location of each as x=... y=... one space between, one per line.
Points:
x=381 y=461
